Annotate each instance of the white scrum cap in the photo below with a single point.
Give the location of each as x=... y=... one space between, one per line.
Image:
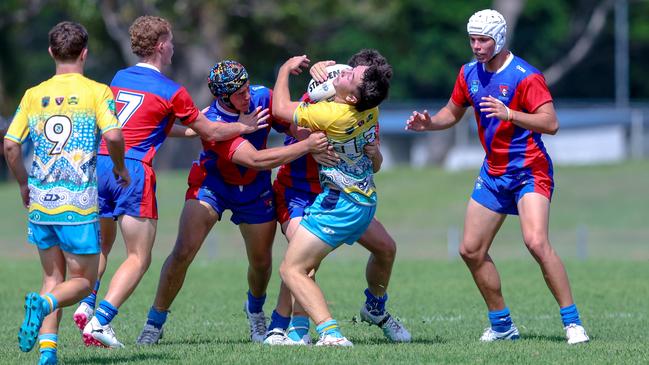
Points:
x=489 y=23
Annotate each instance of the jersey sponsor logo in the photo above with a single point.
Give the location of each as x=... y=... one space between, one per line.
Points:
x=73 y=100
x=474 y=86
x=328 y=230
x=51 y=197
x=45 y=101
x=59 y=100
x=521 y=69
x=504 y=90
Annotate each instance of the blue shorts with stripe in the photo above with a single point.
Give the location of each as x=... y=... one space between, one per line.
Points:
x=79 y=239
x=136 y=200
x=336 y=218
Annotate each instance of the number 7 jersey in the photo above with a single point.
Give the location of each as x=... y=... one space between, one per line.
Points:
x=63 y=117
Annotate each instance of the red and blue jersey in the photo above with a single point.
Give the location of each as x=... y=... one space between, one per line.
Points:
x=216 y=157
x=301 y=174
x=148 y=103
x=509 y=148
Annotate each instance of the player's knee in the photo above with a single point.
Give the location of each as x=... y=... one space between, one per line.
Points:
x=261 y=262
x=537 y=244
x=183 y=253
x=470 y=253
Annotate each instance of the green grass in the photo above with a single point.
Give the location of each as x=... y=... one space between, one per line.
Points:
x=436 y=300
x=432 y=294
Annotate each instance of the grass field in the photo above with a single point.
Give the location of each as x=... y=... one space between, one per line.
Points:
x=431 y=292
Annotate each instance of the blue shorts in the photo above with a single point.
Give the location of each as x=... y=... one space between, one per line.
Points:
x=136 y=200
x=80 y=239
x=502 y=193
x=336 y=218
x=291 y=203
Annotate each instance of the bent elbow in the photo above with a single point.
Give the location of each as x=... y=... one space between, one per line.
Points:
x=554 y=129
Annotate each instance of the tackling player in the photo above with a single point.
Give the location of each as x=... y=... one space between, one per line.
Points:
x=227 y=177
x=346 y=206
x=513 y=107
x=64 y=117
x=296 y=187
x=148 y=103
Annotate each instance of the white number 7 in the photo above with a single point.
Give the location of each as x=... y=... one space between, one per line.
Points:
x=58 y=129
x=132 y=102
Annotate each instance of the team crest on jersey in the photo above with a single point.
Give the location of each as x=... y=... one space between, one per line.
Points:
x=504 y=90
x=474 y=86
x=45 y=101
x=73 y=100
x=59 y=100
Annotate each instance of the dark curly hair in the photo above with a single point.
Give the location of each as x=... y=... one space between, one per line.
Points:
x=367 y=57
x=375 y=86
x=67 y=40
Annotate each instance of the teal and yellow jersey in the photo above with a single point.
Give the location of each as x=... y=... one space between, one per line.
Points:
x=63 y=117
x=348 y=131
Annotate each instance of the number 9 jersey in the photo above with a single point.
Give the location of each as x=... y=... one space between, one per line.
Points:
x=348 y=131
x=63 y=117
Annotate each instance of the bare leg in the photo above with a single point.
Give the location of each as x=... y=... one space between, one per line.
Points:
x=383 y=250
x=480 y=228
x=534 y=210
x=139 y=235
x=196 y=221
x=108 y=230
x=53 y=263
x=259 y=248
x=305 y=252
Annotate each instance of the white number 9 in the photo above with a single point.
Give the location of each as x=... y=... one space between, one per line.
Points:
x=58 y=129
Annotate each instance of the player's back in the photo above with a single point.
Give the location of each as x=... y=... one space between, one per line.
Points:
x=63 y=116
x=147 y=104
x=348 y=131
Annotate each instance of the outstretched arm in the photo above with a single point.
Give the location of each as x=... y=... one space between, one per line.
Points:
x=445 y=118
x=180 y=131
x=283 y=107
x=247 y=155
x=214 y=132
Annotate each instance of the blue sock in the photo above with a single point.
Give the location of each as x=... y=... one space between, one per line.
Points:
x=255 y=305
x=500 y=320
x=298 y=327
x=156 y=318
x=91 y=299
x=49 y=303
x=570 y=315
x=329 y=327
x=105 y=313
x=375 y=305
x=278 y=321
x=47 y=342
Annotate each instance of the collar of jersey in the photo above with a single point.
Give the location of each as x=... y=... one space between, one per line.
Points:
x=146 y=65
x=223 y=111
x=509 y=60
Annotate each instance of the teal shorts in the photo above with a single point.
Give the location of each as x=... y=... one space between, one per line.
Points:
x=336 y=218
x=80 y=239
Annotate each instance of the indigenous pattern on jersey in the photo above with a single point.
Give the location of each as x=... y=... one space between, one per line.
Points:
x=348 y=131
x=216 y=157
x=509 y=148
x=148 y=103
x=62 y=116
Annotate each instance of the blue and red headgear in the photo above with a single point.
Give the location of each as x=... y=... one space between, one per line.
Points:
x=226 y=77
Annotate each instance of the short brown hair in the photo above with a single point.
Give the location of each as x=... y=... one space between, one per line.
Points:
x=146 y=32
x=67 y=40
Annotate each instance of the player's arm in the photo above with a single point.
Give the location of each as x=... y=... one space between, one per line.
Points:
x=180 y=131
x=542 y=120
x=115 y=144
x=373 y=151
x=445 y=118
x=219 y=131
x=247 y=155
x=14 y=156
x=283 y=107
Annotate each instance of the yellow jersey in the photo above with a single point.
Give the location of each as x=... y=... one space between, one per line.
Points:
x=64 y=117
x=348 y=131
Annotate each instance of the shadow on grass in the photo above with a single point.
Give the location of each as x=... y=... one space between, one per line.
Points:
x=437 y=340
x=202 y=341
x=551 y=338
x=116 y=358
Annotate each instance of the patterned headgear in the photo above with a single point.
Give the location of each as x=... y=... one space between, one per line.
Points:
x=226 y=77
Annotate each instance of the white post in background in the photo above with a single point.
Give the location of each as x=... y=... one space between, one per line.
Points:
x=582 y=242
x=637 y=134
x=453 y=242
